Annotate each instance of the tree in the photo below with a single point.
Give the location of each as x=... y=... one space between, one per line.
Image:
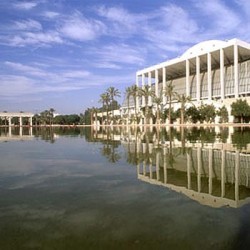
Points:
x=207 y=113
x=146 y=92
x=94 y=112
x=170 y=93
x=183 y=99
x=158 y=102
x=194 y=114
x=105 y=99
x=223 y=114
x=113 y=92
x=134 y=92
x=51 y=115
x=128 y=93
x=240 y=110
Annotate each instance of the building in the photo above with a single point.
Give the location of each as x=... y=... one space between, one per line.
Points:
x=211 y=72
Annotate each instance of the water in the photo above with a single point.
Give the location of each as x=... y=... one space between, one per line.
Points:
x=124 y=189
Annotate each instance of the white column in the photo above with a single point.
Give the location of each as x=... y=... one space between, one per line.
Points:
x=237 y=165
x=143 y=84
x=137 y=98
x=164 y=84
x=236 y=72
x=199 y=169
x=158 y=166
x=210 y=170
x=187 y=78
x=198 y=79
x=20 y=121
x=165 y=165
x=156 y=83
x=31 y=124
x=222 y=78
x=189 y=170
x=9 y=121
x=150 y=84
x=223 y=161
x=209 y=76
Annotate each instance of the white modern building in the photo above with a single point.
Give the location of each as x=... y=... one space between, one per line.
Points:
x=211 y=72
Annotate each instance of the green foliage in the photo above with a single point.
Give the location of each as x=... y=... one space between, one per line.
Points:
x=240 y=110
x=223 y=114
x=241 y=137
x=193 y=114
x=67 y=119
x=207 y=113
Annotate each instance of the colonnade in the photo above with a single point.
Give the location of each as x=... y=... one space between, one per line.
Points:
x=194 y=72
x=20 y=116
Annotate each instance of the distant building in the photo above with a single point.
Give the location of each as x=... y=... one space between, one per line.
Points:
x=211 y=72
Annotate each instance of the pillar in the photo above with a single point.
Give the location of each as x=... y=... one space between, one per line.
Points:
x=143 y=84
x=222 y=74
x=165 y=165
x=188 y=171
x=9 y=121
x=20 y=121
x=198 y=79
x=187 y=78
x=164 y=84
x=223 y=161
x=236 y=72
x=210 y=170
x=150 y=84
x=199 y=169
x=158 y=166
x=156 y=83
x=137 y=98
x=209 y=76
x=31 y=124
x=237 y=164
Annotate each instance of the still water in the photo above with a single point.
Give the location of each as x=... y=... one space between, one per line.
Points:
x=81 y=188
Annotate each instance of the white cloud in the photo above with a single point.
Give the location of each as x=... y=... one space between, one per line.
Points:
x=120 y=54
x=80 y=28
x=121 y=21
x=28 y=25
x=50 y=14
x=25 y=5
x=75 y=74
x=26 y=69
x=37 y=38
x=220 y=18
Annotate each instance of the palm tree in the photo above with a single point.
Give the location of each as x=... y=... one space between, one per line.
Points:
x=105 y=99
x=158 y=101
x=170 y=93
x=146 y=92
x=51 y=115
x=94 y=112
x=128 y=94
x=134 y=92
x=113 y=92
x=183 y=99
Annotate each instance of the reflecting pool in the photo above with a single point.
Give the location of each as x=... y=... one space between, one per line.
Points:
x=125 y=188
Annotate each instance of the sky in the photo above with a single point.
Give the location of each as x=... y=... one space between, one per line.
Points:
x=64 y=54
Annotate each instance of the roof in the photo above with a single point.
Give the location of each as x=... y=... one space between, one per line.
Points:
x=177 y=67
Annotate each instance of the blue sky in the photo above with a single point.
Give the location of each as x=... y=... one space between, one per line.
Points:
x=65 y=53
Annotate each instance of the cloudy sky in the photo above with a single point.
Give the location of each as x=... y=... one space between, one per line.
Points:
x=65 y=53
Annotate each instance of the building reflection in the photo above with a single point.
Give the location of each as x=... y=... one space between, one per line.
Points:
x=214 y=177
x=16 y=133
x=203 y=164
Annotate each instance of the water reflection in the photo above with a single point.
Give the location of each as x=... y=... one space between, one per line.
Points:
x=209 y=165
x=203 y=164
